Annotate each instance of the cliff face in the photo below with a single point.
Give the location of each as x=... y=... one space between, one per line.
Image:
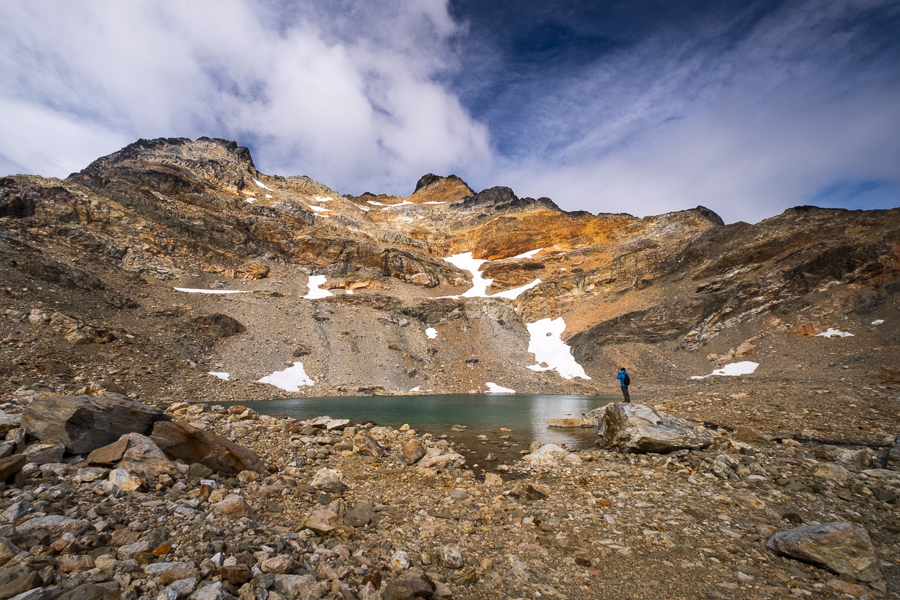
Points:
x=102 y=252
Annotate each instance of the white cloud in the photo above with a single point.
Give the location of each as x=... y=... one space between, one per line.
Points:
x=747 y=127
x=347 y=93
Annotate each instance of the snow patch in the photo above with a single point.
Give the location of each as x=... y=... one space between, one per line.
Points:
x=375 y=203
x=314 y=292
x=528 y=254
x=877 y=321
x=493 y=388
x=250 y=200
x=479 y=283
x=220 y=374
x=319 y=209
x=418 y=388
x=473 y=266
x=516 y=292
x=268 y=195
x=262 y=185
x=734 y=369
x=832 y=332
x=434 y=202
x=322 y=198
x=389 y=206
x=550 y=351
x=365 y=208
x=290 y=379
x=431 y=332
x=193 y=291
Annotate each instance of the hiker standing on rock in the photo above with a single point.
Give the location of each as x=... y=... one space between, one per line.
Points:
x=624 y=381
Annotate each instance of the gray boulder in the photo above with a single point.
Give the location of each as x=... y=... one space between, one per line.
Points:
x=638 y=428
x=842 y=548
x=84 y=423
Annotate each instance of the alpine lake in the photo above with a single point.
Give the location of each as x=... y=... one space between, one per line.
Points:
x=479 y=425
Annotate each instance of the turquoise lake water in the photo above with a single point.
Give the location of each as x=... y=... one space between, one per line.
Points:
x=483 y=414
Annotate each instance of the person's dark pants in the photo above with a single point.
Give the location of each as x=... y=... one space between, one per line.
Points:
x=625 y=393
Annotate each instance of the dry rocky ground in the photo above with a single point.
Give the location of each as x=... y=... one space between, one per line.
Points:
x=333 y=514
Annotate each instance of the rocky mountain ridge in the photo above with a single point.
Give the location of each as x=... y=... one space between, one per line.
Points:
x=92 y=266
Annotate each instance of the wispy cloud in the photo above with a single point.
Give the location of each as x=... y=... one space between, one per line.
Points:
x=347 y=94
x=641 y=106
x=745 y=124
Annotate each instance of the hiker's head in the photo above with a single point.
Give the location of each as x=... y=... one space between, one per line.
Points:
x=622 y=369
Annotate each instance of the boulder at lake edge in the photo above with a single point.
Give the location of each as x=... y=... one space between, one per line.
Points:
x=638 y=428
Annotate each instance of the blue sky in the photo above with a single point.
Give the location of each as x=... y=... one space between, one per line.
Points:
x=644 y=107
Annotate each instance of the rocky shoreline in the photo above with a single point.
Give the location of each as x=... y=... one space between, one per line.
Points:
x=209 y=503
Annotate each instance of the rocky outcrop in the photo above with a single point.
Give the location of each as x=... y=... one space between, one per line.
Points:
x=180 y=441
x=842 y=548
x=85 y=423
x=628 y=427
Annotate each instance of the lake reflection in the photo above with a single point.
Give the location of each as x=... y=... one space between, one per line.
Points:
x=525 y=414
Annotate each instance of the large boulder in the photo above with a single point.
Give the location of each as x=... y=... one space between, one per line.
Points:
x=85 y=423
x=638 y=428
x=179 y=441
x=842 y=548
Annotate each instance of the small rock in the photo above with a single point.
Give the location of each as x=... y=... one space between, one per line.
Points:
x=327 y=479
x=399 y=561
x=451 y=556
x=124 y=480
x=234 y=506
x=278 y=564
